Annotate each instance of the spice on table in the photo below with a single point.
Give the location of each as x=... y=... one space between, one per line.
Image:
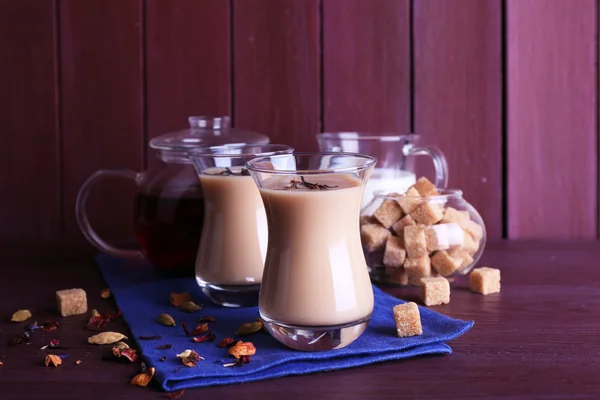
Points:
x=175 y=395
x=249 y=328
x=105 y=293
x=78 y=362
x=106 y=338
x=53 y=359
x=241 y=349
x=166 y=320
x=97 y=322
x=21 y=316
x=206 y=319
x=164 y=346
x=155 y=337
x=200 y=329
x=144 y=378
x=129 y=354
x=209 y=336
x=189 y=358
x=190 y=307
x=177 y=299
x=226 y=342
x=50 y=326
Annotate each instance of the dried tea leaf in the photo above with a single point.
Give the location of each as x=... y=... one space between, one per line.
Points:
x=175 y=395
x=53 y=359
x=105 y=293
x=166 y=320
x=226 y=342
x=21 y=316
x=190 y=307
x=249 y=328
x=95 y=313
x=177 y=299
x=189 y=358
x=241 y=349
x=143 y=379
x=106 y=338
x=200 y=329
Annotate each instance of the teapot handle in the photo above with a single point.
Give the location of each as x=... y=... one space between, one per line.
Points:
x=82 y=218
x=439 y=162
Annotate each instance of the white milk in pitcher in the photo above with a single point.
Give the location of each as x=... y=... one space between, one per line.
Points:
x=387 y=180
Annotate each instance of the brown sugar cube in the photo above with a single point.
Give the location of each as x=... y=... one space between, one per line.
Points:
x=485 y=280
x=425 y=187
x=403 y=222
x=71 y=302
x=417 y=268
x=470 y=245
x=410 y=200
x=444 y=264
x=397 y=276
x=394 y=254
x=388 y=212
x=435 y=291
x=427 y=214
x=415 y=241
x=374 y=236
x=461 y=256
x=453 y=215
x=433 y=242
x=408 y=320
x=367 y=219
x=473 y=229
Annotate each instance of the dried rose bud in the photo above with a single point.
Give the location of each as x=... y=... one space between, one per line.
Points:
x=143 y=379
x=242 y=349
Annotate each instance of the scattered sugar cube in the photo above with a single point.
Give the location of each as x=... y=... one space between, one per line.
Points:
x=485 y=280
x=427 y=214
x=71 y=302
x=388 y=212
x=435 y=291
x=415 y=241
x=473 y=229
x=374 y=236
x=408 y=320
x=453 y=215
x=417 y=268
x=437 y=238
x=444 y=264
x=394 y=252
x=396 y=275
x=425 y=187
x=410 y=200
x=402 y=223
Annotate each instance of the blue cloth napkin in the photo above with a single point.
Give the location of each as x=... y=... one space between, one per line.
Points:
x=142 y=292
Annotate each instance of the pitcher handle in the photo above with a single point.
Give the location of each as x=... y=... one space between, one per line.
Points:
x=439 y=162
x=82 y=218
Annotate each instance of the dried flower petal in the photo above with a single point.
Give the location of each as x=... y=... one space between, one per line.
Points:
x=78 y=362
x=106 y=338
x=208 y=337
x=206 y=319
x=53 y=359
x=129 y=354
x=190 y=307
x=96 y=323
x=185 y=328
x=175 y=395
x=242 y=349
x=95 y=313
x=105 y=293
x=177 y=299
x=249 y=328
x=163 y=347
x=113 y=315
x=155 y=337
x=227 y=342
x=200 y=329
x=21 y=316
x=189 y=358
x=143 y=379
x=50 y=326
x=1 y=363
x=166 y=320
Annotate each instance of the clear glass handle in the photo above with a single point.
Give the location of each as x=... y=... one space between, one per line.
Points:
x=82 y=218
x=439 y=162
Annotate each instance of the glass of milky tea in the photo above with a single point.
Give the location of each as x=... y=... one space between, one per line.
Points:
x=233 y=245
x=316 y=293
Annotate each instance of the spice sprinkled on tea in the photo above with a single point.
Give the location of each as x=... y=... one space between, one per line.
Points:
x=304 y=184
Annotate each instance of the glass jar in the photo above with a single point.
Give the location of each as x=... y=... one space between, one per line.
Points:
x=169 y=204
x=406 y=237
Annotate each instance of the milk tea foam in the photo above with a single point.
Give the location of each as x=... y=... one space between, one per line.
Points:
x=234 y=236
x=315 y=271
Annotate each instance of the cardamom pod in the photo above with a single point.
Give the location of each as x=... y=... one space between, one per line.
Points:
x=20 y=316
x=166 y=320
x=190 y=306
x=249 y=328
x=121 y=345
x=106 y=338
x=95 y=313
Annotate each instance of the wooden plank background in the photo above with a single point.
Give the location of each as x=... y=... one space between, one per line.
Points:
x=507 y=89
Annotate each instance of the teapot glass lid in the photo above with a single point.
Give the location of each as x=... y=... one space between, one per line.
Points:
x=206 y=131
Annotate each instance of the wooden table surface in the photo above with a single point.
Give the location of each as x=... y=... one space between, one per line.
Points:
x=539 y=338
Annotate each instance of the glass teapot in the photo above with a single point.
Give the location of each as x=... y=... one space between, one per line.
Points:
x=169 y=205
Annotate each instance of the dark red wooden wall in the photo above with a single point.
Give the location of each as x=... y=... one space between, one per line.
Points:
x=507 y=89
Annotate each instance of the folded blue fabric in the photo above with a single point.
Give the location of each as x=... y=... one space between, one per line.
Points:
x=142 y=292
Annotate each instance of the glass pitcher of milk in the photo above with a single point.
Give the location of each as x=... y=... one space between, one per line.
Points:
x=395 y=170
